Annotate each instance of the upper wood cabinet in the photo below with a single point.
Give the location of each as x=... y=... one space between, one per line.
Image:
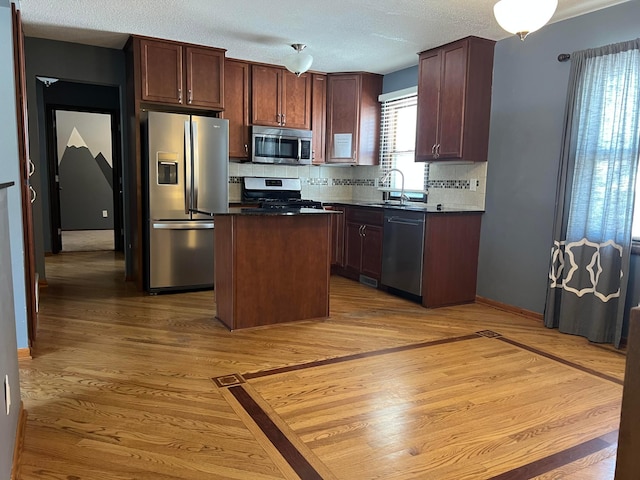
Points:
x=454 y=101
x=236 y=107
x=279 y=98
x=318 y=116
x=353 y=118
x=177 y=74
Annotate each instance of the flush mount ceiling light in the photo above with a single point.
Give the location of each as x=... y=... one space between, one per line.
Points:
x=298 y=62
x=521 y=17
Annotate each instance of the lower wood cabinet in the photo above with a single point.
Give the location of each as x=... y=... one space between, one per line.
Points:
x=449 y=271
x=450 y=261
x=363 y=242
x=337 y=237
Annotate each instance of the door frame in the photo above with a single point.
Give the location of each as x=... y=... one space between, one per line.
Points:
x=53 y=174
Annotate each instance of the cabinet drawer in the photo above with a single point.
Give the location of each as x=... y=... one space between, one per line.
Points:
x=363 y=215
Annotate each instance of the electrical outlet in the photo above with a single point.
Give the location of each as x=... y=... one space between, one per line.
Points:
x=473 y=184
x=7 y=394
x=105 y=214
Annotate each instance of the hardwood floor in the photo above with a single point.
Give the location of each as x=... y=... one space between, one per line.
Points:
x=126 y=386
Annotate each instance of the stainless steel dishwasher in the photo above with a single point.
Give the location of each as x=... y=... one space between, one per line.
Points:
x=403 y=250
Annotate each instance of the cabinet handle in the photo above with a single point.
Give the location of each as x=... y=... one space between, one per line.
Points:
x=32 y=168
x=283 y=119
x=190 y=97
x=179 y=95
x=33 y=194
x=278 y=119
x=433 y=149
x=246 y=148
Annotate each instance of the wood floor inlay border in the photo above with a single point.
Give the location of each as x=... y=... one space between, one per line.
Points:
x=288 y=451
x=302 y=467
x=561 y=360
x=557 y=460
x=356 y=356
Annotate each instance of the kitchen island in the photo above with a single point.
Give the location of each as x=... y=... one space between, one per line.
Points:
x=271 y=266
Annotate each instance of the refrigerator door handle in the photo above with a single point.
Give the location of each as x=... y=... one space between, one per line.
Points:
x=188 y=181
x=183 y=225
x=196 y=164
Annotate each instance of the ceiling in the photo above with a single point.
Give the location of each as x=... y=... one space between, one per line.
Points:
x=378 y=36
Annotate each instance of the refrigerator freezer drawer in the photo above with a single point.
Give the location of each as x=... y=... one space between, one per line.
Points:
x=180 y=255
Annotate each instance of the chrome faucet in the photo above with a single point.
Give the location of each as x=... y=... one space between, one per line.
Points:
x=403 y=197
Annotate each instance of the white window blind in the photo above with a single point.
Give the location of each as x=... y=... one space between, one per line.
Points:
x=397 y=147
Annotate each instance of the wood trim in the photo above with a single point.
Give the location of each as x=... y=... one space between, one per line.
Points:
x=628 y=460
x=510 y=308
x=19 y=443
x=289 y=452
x=42 y=282
x=24 y=353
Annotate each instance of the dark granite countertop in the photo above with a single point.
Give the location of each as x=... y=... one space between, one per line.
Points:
x=271 y=212
x=413 y=207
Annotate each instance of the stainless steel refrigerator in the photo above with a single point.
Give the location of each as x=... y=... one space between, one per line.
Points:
x=187 y=180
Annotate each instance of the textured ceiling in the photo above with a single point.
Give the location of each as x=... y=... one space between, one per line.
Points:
x=378 y=36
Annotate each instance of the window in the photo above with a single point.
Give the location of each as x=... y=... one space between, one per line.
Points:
x=397 y=146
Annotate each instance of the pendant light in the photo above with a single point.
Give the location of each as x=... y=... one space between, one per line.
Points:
x=521 y=17
x=298 y=62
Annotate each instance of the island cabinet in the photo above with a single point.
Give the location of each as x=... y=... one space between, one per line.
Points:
x=454 y=101
x=353 y=118
x=179 y=74
x=262 y=277
x=279 y=98
x=318 y=117
x=363 y=243
x=236 y=107
x=450 y=264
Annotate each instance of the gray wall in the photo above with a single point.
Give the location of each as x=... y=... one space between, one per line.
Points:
x=13 y=314
x=528 y=101
x=75 y=63
x=401 y=79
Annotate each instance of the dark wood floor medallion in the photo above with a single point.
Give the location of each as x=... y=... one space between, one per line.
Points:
x=488 y=334
x=228 y=380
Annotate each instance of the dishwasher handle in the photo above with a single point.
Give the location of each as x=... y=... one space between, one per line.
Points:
x=406 y=221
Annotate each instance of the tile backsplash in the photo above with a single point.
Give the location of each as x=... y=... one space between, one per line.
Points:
x=450 y=185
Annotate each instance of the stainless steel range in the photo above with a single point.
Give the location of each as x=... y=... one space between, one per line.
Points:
x=276 y=193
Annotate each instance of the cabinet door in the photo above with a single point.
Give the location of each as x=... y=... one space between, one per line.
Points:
x=337 y=237
x=161 y=71
x=236 y=107
x=319 y=116
x=343 y=117
x=265 y=96
x=296 y=100
x=452 y=101
x=428 y=105
x=371 y=264
x=353 y=246
x=205 y=70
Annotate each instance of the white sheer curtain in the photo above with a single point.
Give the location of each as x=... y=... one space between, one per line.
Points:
x=595 y=196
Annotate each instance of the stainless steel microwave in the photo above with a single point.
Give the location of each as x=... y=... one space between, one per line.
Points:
x=281 y=145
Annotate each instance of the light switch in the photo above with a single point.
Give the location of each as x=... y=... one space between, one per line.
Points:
x=105 y=214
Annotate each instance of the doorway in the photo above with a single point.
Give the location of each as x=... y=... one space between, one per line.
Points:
x=85 y=169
